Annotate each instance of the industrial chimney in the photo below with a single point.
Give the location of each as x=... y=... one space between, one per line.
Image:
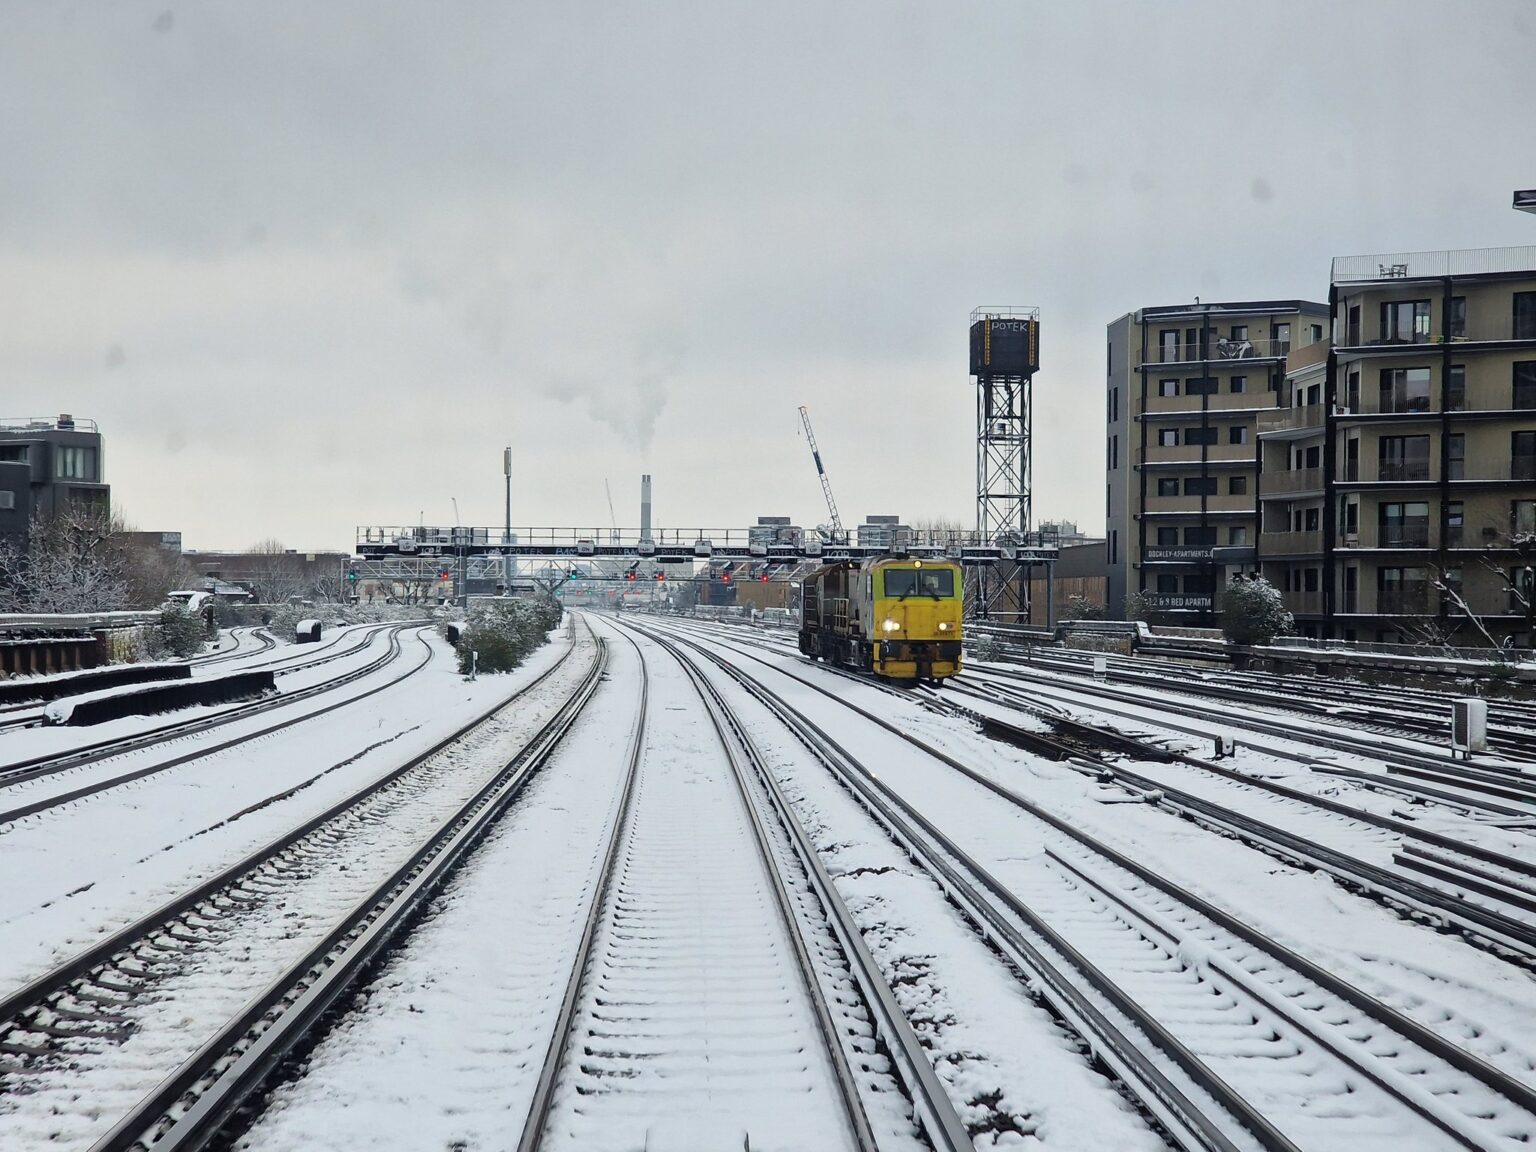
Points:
x=645 y=506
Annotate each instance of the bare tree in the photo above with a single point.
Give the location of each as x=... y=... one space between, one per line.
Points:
x=68 y=562
x=276 y=575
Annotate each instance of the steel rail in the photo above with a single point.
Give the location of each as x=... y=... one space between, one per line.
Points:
x=932 y=1105
x=188 y=1109
x=41 y=989
x=1425 y=1037
x=542 y=1101
x=953 y=870
x=11 y=815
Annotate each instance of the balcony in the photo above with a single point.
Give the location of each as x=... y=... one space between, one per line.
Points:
x=1489 y=329
x=1291 y=423
x=1218 y=349
x=1303 y=603
x=1290 y=543
x=1411 y=601
x=1389 y=536
x=1290 y=482
x=1190 y=454
x=1518 y=468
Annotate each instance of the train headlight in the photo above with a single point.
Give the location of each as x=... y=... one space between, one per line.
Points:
x=945 y=625
x=889 y=626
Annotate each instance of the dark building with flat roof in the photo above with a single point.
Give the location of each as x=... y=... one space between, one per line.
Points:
x=47 y=465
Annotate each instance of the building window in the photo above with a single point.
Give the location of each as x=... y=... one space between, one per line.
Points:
x=1238 y=384
x=1405 y=389
x=1458 y=318
x=1167 y=537
x=1167 y=487
x=7 y=499
x=1167 y=387
x=1312 y=519
x=15 y=453
x=1314 y=333
x=1114 y=403
x=1402 y=525
x=1114 y=547
x=1167 y=585
x=73 y=462
x=1401 y=591
x=1237 y=537
x=1239 y=331
x=1309 y=580
x=1456 y=456
x=1350 y=516
x=1352 y=326
x=1524 y=389
x=1312 y=457
x=1237 y=486
x=1405 y=322
x=1522 y=456
x=1200 y=486
x=1281 y=334
x=1404 y=458
x=1168 y=345
x=1199 y=435
x=1237 y=434
x=1454 y=518
x=1201 y=537
x=1114 y=453
x=1202 y=386
x=1352 y=392
x=1525 y=316
x=1522 y=517
x=1456 y=389
x=1167 y=437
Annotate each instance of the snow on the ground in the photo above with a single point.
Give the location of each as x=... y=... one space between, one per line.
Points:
x=69 y=1107
x=94 y=864
x=1440 y=980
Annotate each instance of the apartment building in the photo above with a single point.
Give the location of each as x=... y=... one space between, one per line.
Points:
x=1398 y=491
x=1186 y=387
x=47 y=464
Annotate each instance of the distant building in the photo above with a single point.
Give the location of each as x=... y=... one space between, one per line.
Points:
x=47 y=465
x=1186 y=385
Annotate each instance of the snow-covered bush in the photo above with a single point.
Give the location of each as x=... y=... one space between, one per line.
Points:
x=1252 y=612
x=1138 y=606
x=503 y=632
x=1082 y=608
x=181 y=631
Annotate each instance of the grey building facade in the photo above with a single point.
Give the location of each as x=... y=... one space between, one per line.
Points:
x=46 y=465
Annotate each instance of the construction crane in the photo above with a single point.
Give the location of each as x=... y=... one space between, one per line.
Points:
x=613 y=521
x=826 y=485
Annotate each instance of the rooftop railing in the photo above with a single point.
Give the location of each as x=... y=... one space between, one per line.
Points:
x=1417 y=265
x=46 y=424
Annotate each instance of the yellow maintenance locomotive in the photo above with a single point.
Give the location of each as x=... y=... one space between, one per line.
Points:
x=892 y=616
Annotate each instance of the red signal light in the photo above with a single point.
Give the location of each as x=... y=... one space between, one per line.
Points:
x=629 y=575
x=444 y=574
x=764 y=577
x=725 y=576
x=661 y=575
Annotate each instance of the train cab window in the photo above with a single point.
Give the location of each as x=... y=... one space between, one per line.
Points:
x=936 y=582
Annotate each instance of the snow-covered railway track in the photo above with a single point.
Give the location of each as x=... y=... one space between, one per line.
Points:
x=1487 y=895
x=1402 y=713
x=255 y=955
x=1296 y=1056
x=705 y=963
x=22 y=801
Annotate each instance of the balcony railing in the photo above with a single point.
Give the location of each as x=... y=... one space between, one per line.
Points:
x=1401 y=265
x=1389 y=536
x=1309 y=418
x=1303 y=603
x=1394 y=471
x=1291 y=481
x=1404 y=602
x=1216 y=349
x=1487 y=329
x=1290 y=543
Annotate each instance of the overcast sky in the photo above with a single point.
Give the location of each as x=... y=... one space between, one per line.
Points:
x=311 y=265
